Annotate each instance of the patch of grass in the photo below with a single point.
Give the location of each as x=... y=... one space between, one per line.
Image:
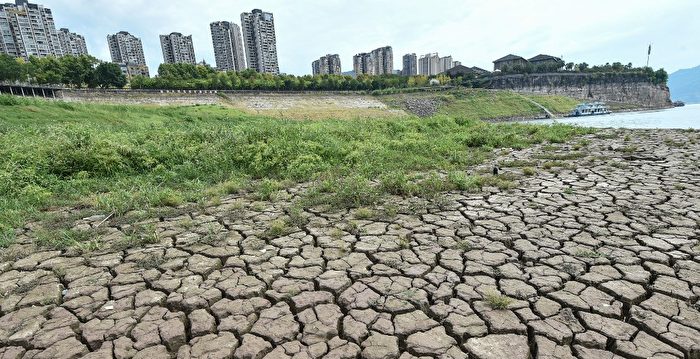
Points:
x=123 y=158
x=464 y=245
x=561 y=156
x=581 y=145
x=278 y=228
x=337 y=233
x=267 y=189
x=569 y=191
x=405 y=241
x=498 y=302
x=364 y=213
x=296 y=216
x=347 y=192
x=151 y=261
x=629 y=149
x=677 y=186
x=64 y=239
x=589 y=254
x=352 y=228
x=138 y=236
x=529 y=171
x=7 y=238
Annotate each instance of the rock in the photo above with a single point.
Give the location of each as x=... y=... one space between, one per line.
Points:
x=201 y=323
x=499 y=347
x=277 y=324
x=252 y=347
x=379 y=346
x=432 y=342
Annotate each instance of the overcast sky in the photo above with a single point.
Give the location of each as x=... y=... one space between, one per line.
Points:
x=473 y=32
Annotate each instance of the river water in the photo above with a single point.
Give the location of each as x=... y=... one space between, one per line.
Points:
x=674 y=118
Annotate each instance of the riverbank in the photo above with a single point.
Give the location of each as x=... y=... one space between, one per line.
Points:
x=589 y=247
x=120 y=158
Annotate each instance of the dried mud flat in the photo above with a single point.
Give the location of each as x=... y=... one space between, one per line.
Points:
x=593 y=256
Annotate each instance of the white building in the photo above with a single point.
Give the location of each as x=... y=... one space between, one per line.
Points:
x=432 y=64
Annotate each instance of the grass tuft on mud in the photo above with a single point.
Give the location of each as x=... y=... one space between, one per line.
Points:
x=118 y=158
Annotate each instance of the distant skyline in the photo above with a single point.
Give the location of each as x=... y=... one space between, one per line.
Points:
x=474 y=32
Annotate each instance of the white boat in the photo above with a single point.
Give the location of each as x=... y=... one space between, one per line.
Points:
x=590 y=109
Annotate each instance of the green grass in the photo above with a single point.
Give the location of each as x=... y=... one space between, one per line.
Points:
x=117 y=158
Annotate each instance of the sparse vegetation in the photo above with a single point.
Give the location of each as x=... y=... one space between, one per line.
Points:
x=130 y=159
x=589 y=254
x=7 y=238
x=364 y=213
x=498 y=302
x=278 y=228
x=529 y=171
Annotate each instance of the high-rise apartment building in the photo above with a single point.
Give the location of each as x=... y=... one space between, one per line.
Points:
x=378 y=62
x=410 y=65
x=28 y=30
x=327 y=65
x=383 y=60
x=446 y=63
x=433 y=64
x=72 y=43
x=428 y=64
x=363 y=64
x=228 y=46
x=177 y=49
x=127 y=49
x=260 y=41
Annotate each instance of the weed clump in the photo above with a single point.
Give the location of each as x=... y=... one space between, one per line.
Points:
x=498 y=302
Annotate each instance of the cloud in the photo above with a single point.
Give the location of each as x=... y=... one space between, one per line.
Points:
x=474 y=32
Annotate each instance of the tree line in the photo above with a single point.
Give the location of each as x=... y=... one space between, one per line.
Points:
x=87 y=71
x=657 y=77
x=74 y=71
x=201 y=77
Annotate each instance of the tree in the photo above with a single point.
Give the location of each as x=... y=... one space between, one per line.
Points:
x=660 y=77
x=45 y=70
x=78 y=70
x=569 y=66
x=108 y=74
x=583 y=67
x=12 y=69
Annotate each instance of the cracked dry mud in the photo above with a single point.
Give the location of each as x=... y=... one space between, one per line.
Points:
x=600 y=260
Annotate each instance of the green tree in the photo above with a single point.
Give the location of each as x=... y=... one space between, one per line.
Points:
x=108 y=74
x=45 y=70
x=78 y=70
x=12 y=69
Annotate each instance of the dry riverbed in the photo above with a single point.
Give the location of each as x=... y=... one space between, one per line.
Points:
x=594 y=254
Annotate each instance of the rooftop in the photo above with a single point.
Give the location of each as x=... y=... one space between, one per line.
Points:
x=510 y=57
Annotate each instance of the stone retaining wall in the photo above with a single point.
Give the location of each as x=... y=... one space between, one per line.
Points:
x=615 y=88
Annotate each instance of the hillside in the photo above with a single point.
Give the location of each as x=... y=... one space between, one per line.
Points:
x=478 y=104
x=685 y=85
